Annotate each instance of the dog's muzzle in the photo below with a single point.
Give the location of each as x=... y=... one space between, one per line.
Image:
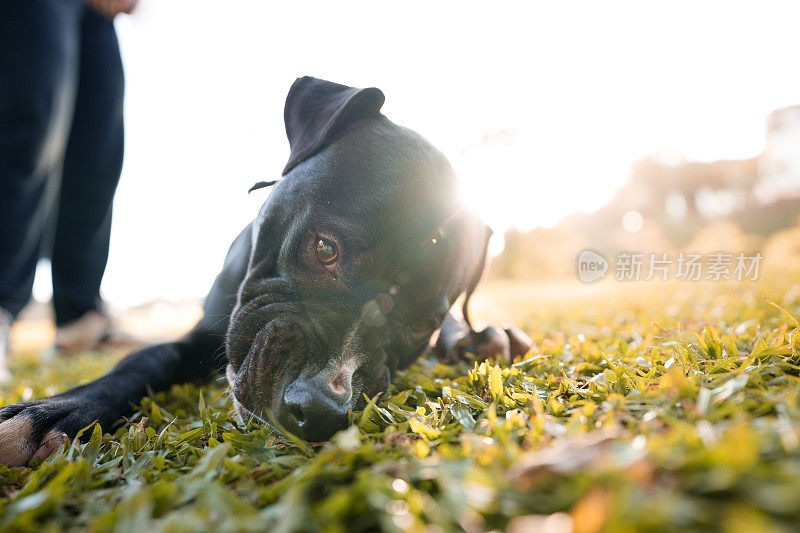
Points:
x=317 y=406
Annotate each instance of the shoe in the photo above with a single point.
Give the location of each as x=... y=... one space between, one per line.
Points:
x=91 y=332
x=5 y=339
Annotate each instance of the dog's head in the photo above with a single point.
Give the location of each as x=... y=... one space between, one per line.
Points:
x=357 y=255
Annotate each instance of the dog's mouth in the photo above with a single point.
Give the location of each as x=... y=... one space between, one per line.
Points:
x=304 y=408
x=290 y=378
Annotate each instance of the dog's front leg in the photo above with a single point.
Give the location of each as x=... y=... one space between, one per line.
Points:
x=40 y=427
x=457 y=338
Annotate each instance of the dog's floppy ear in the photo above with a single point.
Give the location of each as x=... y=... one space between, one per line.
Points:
x=477 y=273
x=317 y=110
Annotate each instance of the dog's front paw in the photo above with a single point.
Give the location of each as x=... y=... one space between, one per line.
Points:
x=502 y=343
x=39 y=428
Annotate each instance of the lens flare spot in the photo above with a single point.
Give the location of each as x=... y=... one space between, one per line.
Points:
x=372 y=315
x=633 y=221
x=385 y=303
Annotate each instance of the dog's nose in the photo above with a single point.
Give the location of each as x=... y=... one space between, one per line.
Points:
x=319 y=408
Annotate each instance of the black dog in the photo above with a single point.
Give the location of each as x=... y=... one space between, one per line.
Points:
x=348 y=271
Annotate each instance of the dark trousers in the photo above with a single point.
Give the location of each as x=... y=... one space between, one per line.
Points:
x=61 y=145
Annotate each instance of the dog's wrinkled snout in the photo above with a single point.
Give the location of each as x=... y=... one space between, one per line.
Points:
x=318 y=405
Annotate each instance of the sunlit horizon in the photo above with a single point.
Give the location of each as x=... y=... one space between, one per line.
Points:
x=537 y=123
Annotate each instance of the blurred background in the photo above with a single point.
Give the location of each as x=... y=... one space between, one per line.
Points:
x=563 y=119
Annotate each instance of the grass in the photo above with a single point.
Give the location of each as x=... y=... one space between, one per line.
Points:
x=643 y=406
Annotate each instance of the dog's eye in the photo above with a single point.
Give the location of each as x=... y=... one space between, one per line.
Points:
x=327 y=253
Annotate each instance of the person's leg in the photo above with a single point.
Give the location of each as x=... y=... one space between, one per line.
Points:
x=92 y=167
x=38 y=72
x=38 y=66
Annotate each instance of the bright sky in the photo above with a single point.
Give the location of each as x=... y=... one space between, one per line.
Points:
x=571 y=93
